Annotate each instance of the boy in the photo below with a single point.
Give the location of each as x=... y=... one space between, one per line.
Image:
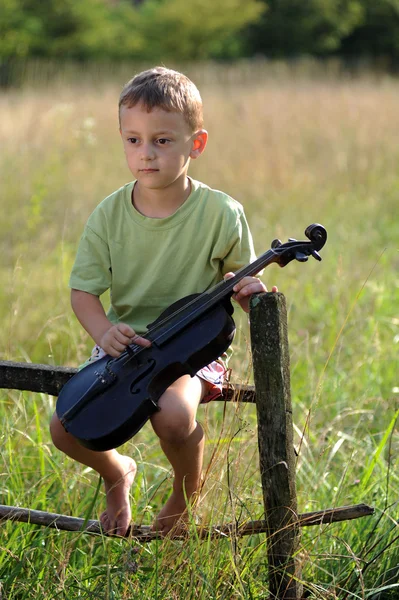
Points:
x=153 y=241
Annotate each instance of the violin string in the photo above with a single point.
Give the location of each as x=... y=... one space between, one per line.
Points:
x=225 y=286
x=161 y=324
x=214 y=297
x=257 y=265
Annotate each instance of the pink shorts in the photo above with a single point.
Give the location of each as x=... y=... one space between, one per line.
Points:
x=214 y=374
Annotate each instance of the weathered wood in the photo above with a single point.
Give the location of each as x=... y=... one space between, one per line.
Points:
x=334 y=515
x=49 y=380
x=34 y=378
x=269 y=339
x=144 y=534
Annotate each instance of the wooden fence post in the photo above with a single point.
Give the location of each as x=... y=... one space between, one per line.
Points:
x=269 y=339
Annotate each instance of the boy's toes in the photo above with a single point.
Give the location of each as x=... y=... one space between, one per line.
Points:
x=108 y=525
x=114 y=527
x=105 y=522
x=121 y=529
x=175 y=528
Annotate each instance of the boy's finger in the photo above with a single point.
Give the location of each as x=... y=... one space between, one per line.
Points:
x=249 y=286
x=120 y=338
x=140 y=341
x=118 y=346
x=126 y=335
x=126 y=330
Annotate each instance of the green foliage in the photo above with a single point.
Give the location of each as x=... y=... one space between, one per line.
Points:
x=18 y=29
x=294 y=27
x=66 y=29
x=156 y=29
x=176 y=29
x=378 y=31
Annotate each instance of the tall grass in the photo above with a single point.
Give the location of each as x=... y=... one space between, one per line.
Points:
x=294 y=150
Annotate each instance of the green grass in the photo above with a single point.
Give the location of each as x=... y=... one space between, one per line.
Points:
x=294 y=151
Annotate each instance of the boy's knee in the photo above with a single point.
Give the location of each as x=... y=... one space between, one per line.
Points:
x=176 y=420
x=172 y=427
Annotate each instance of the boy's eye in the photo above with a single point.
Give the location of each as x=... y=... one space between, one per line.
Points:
x=163 y=141
x=132 y=140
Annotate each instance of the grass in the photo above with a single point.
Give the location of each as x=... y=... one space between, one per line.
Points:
x=294 y=150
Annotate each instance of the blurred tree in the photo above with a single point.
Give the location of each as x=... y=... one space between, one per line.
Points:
x=161 y=30
x=295 y=27
x=378 y=33
x=199 y=29
x=17 y=29
x=66 y=28
x=149 y=29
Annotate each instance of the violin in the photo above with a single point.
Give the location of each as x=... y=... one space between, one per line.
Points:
x=109 y=401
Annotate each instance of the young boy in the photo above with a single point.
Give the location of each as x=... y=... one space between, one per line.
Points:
x=153 y=241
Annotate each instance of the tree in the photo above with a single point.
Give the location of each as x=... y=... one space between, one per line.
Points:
x=151 y=29
x=378 y=33
x=199 y=29
x=17 y=29
x=66 y=29
x=295 y=27
x=178 y=30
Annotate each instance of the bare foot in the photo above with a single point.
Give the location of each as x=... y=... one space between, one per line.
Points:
x=173 y=515
x=116 y=518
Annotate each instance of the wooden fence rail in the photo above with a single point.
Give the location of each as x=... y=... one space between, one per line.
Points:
x=143 y=533
x=50 y=379
x=272 y=396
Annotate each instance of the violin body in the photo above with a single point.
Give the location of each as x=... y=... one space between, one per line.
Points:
x=108 y=401
x=126 y=389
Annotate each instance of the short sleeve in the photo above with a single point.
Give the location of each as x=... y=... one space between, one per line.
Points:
x=241 y=251
x=91 y=271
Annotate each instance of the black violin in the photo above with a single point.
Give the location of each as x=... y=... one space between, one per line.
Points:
x=110 y=400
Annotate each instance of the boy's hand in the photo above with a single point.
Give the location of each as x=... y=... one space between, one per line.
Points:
x=117 y=337
x=245 y=288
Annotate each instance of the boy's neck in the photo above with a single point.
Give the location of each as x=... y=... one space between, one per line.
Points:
x=161 y=203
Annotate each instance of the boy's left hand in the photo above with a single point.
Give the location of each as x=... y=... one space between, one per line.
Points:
x=244 y=289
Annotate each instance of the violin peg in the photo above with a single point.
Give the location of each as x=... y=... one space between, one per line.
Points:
x=276 y=243
x=301 y=257
x=316 y=255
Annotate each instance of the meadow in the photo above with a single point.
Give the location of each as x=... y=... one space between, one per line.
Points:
x=294 y=148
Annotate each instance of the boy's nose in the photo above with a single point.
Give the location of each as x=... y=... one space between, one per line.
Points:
x=147 y=152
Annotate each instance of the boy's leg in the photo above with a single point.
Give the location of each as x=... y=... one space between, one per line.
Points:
x=182 y=440
x=117 y=470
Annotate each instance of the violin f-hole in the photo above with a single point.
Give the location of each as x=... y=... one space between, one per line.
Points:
x=150 y=366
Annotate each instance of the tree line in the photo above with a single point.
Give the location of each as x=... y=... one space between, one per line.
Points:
x=162 y=30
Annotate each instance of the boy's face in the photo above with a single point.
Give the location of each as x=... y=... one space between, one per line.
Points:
x=158 y=145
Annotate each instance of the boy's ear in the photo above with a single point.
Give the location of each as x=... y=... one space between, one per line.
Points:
x=199 y=143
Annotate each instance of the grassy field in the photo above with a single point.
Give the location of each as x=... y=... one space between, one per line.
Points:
x=294 y=150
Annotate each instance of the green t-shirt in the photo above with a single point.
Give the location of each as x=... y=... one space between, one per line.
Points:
x=149 y=263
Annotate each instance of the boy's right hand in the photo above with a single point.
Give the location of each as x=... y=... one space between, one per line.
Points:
x=117 y=337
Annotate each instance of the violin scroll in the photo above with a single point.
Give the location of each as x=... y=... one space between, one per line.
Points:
x=317 y=234
x=298 y=250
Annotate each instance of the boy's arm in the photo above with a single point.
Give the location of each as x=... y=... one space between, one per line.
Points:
x=113 y=339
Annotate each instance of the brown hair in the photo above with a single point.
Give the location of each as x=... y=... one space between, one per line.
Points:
x=167 y=89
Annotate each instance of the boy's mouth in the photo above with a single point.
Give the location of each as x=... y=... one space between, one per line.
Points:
x=148 y=170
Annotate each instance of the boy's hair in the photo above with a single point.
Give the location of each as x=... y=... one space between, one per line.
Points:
x=166 y=89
